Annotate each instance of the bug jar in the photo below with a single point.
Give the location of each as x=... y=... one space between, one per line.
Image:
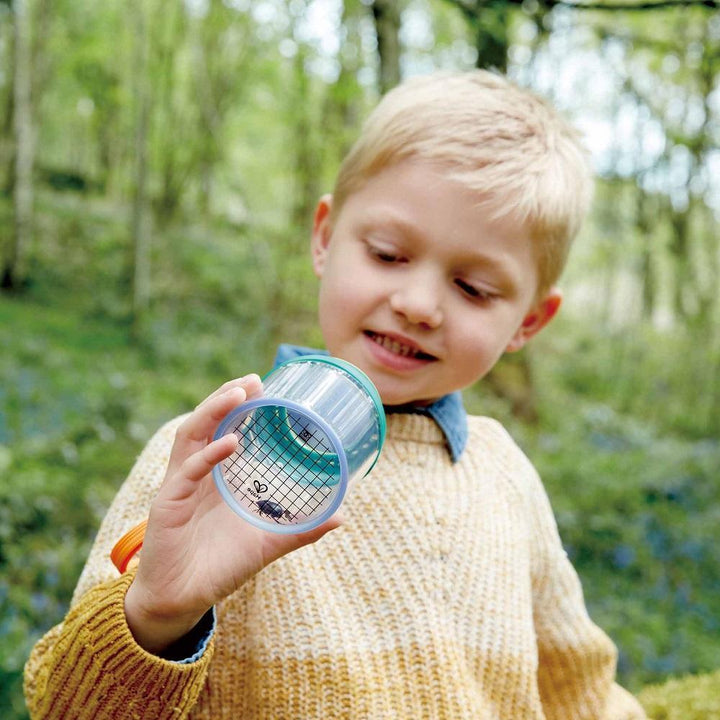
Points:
x=318 y=425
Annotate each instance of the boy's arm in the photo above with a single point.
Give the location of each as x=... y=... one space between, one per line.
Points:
x=112 y=641
x=577 y=660
x=89 y=666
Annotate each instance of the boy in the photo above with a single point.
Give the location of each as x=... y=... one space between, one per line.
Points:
x=444 y=591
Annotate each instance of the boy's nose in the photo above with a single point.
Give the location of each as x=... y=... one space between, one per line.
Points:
x=418 y=303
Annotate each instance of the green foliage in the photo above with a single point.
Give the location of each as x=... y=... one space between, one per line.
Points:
x=627 y=445
x=637 y=513
x=57 y=436
x=688 y=698
x=633 y=480
x=78 y=398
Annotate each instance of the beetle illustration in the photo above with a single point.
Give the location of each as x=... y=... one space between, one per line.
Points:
x=270 y=508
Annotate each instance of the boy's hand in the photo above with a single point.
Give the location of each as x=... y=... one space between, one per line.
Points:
x=196 y=550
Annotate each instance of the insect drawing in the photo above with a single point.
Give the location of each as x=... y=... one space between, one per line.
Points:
x=271 y=509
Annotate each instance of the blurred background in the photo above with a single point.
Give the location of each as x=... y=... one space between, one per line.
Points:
x=159 y=164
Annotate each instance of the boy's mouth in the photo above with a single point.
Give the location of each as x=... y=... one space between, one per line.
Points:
x=398 y=348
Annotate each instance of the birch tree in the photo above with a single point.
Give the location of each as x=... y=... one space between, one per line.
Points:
x=22 y=190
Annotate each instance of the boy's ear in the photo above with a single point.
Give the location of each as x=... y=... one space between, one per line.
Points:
x=539 y=315
x=321 y=233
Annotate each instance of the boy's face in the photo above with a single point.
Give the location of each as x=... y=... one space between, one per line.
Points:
x=420 y=288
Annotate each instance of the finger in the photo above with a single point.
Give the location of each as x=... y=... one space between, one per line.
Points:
x=198 y=428
x=201 y=424
x=198 y=465
x=293 y=542
x=203 y=421
x=251 y=384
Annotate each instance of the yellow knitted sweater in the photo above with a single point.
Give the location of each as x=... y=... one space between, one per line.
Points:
x=446 y=594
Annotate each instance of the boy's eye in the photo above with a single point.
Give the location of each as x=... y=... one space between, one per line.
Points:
x=471 y=291
x=384 y=256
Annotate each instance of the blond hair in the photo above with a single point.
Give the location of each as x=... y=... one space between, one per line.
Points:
x=524 y=160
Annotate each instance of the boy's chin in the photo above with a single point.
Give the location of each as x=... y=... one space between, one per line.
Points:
x=393 y=400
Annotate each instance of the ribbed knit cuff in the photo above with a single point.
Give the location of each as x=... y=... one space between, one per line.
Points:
x=96 y=668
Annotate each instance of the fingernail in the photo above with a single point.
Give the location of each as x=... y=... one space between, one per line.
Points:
x=234 y=390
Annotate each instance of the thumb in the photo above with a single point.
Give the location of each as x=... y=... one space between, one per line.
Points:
x=288 y=543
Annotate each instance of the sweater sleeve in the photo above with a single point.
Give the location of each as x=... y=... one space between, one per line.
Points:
x=576 y=659
x=89 y=666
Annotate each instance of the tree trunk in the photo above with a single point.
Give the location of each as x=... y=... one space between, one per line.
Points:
x=648 y=280
x=706 y=75
x=387 y=26
x=490 y=22
x=683 y=291
x=13 y=270
x=306 y=160
x=342 y=107
x=7 y=136
x=170 y=170
x=491 y=36
x=139 y=218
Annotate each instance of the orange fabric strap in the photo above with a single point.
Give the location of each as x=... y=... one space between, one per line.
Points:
x=128 y=546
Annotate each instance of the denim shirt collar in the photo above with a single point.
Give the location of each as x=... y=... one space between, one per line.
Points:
x=448 y=411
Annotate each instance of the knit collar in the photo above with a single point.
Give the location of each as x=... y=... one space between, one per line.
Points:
x=448 y=412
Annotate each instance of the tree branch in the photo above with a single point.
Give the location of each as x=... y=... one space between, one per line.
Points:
x=657 y=5
x=472 y=10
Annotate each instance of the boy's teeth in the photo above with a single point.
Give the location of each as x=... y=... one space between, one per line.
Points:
x=393 y=346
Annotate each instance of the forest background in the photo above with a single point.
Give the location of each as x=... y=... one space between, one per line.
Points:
x=159 y=163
